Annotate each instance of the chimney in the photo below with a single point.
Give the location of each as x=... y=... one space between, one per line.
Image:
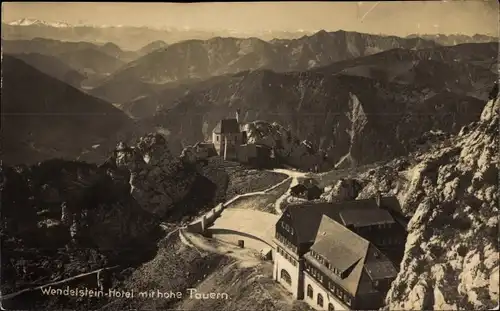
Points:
x=238 y=115
x=378 y=199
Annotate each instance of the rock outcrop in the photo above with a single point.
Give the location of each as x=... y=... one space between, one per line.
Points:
x=158 y=179
x=287 y=148
x=451 y=256
x=76 y=200
x=343 y=190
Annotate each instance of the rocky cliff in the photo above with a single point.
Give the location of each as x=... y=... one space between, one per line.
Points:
x=451 y=190
x=451 y=258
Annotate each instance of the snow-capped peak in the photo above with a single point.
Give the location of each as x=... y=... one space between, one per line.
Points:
x=37 y=22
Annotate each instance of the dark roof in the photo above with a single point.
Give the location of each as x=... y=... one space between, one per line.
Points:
x=298 y=187
x=353 y=256
x=306 y=216
x=378 y=270
x=226 y=126
x=344 y=250
x=339 y=245
x=392 y=205
x=365 y=217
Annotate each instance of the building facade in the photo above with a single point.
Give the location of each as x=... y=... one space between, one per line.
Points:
x=227 y=137
x=327 y=254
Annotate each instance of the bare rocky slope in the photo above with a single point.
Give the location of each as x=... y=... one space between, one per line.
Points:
x=451 y=256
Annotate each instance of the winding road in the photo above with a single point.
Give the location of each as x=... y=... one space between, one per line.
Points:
x=256 y=227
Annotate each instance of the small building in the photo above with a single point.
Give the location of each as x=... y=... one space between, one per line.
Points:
x=227 y=137
x=307 y=189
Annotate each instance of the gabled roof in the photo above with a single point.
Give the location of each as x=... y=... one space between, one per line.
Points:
x=306 y=217
x=227 y=126
x=365 y=217
x=379 y=270
x=344 y=250
x=356 y=259
x=340 y=245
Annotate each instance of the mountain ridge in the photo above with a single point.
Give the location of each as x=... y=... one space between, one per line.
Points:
x=204 y=58
x=32 y=106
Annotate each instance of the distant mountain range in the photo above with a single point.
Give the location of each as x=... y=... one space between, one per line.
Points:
x=37 y=22
x=456 y=38
x=127 y=37
x=44 y=118
x=463 y=69
x=196 y=60
x=343 y=91
x=92 y=61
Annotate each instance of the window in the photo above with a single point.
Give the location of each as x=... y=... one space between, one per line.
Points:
x=330 y=307
x=310 y=291
x=331 y=286
x=375 y=283
x=286 y=277
x=217 y=137
x=320 y=300
x=348 y=300
x=337 y=292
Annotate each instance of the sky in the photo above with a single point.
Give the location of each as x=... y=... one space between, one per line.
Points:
x=397 y=18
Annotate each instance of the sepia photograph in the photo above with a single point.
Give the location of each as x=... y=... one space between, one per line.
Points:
x=250 y=156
